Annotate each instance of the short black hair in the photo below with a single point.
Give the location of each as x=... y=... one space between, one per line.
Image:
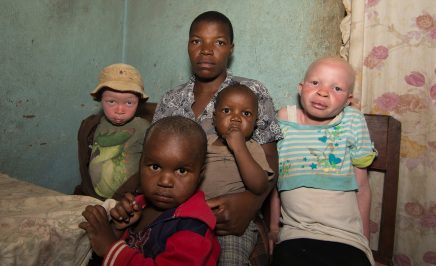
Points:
x=181 y=127
x=213 y=16
x=236 y=86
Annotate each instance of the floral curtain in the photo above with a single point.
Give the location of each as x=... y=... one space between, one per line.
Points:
x=391 y=44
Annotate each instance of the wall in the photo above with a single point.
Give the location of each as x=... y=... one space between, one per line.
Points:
x=52 y=51
x=274 y=40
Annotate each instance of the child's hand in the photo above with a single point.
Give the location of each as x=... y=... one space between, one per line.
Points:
x=234 y=138
x=126 y=212
x=98 y=229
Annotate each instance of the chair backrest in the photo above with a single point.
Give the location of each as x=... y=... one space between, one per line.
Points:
x=385 y=132
x=146 y=110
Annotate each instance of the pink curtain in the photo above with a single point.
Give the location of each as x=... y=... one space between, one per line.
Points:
x=391 y=44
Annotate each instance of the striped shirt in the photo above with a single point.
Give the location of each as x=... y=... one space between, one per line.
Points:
x=322 y=156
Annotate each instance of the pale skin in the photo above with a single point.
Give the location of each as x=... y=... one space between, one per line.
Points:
x=209 y=49
x=119 y=107
x=363 y=197
x=324 y=93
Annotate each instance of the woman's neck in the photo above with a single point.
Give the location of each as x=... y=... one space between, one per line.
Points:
x=209 y=86
x=203 y=93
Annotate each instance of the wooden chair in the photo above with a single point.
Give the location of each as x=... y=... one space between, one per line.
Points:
x=385 y=132
x=146 y=110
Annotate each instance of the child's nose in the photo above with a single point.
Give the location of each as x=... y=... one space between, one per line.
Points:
x=323 y=91
x=165 y=180
x=119 y=109
x=235 y=117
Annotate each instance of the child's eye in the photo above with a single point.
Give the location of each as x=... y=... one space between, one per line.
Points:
x=130 y=103
x=182 y=171
x=314 y=82
x=220 y=43
x=195 y=41
x=154 y=167
x=226 y=110
x=246 y=113
x=338 y=89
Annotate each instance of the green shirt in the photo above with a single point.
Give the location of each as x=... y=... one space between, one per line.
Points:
x=116 y=151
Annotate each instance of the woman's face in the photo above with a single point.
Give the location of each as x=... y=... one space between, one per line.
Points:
x=209 y=49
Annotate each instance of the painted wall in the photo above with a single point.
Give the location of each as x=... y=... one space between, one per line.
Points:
x=51 y=53
x=53 y=50
x=274 y=40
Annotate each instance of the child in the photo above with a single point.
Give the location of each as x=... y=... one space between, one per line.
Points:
x=235 y=163
x=323 y=184
x=110 y=144
x=171 y=223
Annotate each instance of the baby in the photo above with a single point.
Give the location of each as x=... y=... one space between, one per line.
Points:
x=235 y=163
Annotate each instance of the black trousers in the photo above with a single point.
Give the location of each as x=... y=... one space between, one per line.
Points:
x=310 y=252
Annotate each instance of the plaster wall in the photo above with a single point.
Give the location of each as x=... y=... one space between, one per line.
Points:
x=274 y=40
x=51 y=54
x=53 y=50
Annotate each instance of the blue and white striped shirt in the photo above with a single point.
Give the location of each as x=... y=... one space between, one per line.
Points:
x=322 y=156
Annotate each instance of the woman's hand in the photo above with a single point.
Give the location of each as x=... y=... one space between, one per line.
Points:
x=234 y=212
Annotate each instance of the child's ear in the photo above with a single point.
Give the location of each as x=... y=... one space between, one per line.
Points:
x=202 y=173
x=300 y=87
x=232 y=48
x=349 y=100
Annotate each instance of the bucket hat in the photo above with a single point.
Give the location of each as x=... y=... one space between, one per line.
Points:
x=120 y=77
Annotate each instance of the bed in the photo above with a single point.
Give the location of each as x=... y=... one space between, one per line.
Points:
x=39 y=226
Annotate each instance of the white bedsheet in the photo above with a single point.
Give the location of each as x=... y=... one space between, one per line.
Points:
x=39 y=226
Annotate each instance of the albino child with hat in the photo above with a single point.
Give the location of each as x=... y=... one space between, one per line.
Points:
x=110 y=143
